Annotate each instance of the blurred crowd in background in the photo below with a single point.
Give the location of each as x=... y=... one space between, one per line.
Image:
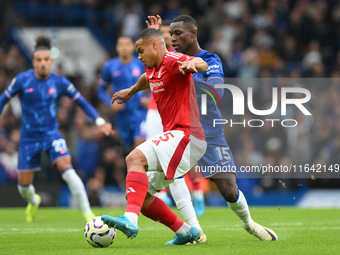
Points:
x=254 y=39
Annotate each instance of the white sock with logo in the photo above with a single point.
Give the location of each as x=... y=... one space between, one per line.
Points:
x=77 y=188
x=181 y=195
x=240 y=207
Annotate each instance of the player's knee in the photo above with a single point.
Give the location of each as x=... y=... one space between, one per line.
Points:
x=135 y=157
x=228 y=189
x=25 y=178
x=63 y=163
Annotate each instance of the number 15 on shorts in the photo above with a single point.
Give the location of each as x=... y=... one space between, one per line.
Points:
x=163 y=138
x=223 y=153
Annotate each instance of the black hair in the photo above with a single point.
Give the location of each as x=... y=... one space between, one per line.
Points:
x=149 y=33
x=42 y=42
x=186 y=20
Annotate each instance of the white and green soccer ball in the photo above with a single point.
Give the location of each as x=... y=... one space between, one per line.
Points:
x=98 y=234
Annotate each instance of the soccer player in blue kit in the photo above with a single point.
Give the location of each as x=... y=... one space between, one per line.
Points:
x=122 y=72
x=39 y=91
x=183 y=30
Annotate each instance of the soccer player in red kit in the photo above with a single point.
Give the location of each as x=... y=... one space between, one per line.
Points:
x=153 y=123
x=170 y=154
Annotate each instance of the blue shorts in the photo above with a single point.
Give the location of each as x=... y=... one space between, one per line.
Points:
x=217 y=158
x=32 y=145
x=129 y=131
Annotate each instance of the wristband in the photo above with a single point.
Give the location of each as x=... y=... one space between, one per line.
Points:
x=99 y=121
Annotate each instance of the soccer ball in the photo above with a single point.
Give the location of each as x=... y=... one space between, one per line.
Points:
x=98 y=234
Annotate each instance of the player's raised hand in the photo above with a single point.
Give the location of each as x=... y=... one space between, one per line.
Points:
x=123 y=94
x=186 y=66
x=155 y=22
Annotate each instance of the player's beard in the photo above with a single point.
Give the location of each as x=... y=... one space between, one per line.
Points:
x=43 y=74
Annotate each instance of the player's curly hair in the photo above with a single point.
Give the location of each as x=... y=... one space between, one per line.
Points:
x=42 y=42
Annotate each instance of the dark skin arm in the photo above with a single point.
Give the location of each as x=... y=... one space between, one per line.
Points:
x=194 y=65
x=155 y=22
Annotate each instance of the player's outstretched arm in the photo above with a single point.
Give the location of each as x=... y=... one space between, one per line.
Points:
x=125 y=94
x=104 y=127
x=193 y=65
x=3 y=101
x=154 y=22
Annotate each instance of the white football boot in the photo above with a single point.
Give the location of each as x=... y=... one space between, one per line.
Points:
x=262 y=233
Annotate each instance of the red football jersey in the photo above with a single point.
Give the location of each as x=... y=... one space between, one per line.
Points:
x=175 y=96
x=152 y=103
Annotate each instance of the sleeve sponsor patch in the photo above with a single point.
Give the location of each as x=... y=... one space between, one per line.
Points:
x=213 y=69
x=71 y=88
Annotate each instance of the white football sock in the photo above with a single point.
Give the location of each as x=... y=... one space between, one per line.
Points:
x=77 y=188
x=183 y=230
x=28 y=193
x=133 y=217
x=181 y=195
x=240 y=207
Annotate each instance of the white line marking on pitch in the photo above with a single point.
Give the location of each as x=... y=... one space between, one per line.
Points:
x=217 y=227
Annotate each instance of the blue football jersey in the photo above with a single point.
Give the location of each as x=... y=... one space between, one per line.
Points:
x=122 y=76
x=215 y=70
x=39 y=99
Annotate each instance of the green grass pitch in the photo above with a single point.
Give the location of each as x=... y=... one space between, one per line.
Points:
x=60 y=231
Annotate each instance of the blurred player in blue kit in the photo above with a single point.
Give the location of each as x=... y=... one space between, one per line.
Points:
x=39 y=91
x=122 y=72
x=183 y=31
